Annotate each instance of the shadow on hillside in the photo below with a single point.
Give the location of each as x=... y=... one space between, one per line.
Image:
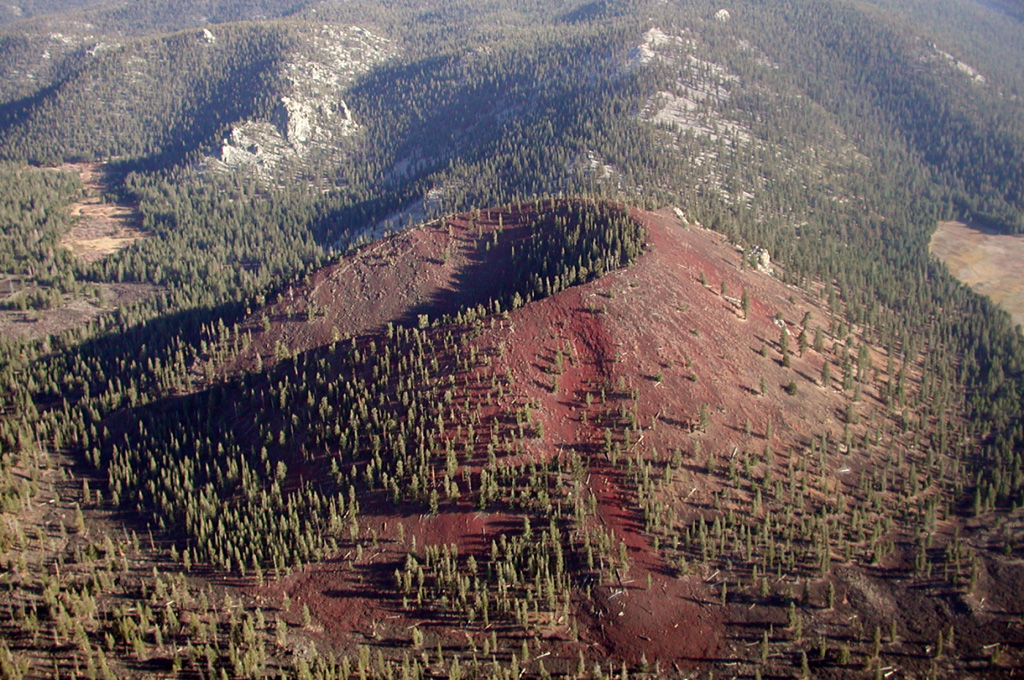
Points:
x=485 y=277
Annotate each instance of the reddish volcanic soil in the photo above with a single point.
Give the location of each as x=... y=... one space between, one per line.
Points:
x=654 y=318
x=661 y=343
x=676 y=344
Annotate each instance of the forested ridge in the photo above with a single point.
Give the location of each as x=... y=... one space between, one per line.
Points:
x=833 y=135
x=158 y=97
x=967 y=140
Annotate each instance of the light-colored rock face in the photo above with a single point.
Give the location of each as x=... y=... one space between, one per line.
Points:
x=311 y=119
x=722 y=15
x=294 y=120
x=694 y=102
x=654 y=43
x=943 y=62
x=762 y=260
x=966 y=69
x=696 y=118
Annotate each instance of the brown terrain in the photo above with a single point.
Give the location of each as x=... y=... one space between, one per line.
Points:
x=990 y=263
x=746 y=519
x=103 y=226
x=671 y=335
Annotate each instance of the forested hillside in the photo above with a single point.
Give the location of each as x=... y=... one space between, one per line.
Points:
x=255 y=146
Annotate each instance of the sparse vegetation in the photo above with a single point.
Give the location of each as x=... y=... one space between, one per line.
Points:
x=252 y=473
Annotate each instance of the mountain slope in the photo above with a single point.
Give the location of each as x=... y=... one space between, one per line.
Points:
x=613 y=469
x=486 y=445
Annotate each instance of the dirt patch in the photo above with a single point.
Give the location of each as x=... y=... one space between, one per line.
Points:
x=35 y=324
x=102 y=227
x=670 y=621
x=990 y=263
